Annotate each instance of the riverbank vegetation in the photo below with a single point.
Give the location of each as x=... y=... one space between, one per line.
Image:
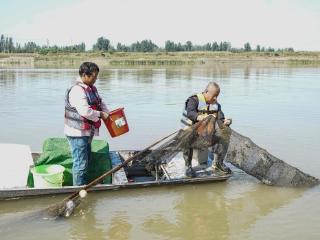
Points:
x=7 y=45
x=146 y=52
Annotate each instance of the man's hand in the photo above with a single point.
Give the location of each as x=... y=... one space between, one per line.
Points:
x=201 y=117
x=227 y=121
x=104 y=115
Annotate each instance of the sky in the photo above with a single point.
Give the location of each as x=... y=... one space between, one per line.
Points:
x=274 y=23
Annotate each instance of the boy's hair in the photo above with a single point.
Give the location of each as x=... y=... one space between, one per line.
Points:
x=88 y=68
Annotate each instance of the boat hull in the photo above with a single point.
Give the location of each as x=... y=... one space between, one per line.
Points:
x=37 y=192
x=24 y=192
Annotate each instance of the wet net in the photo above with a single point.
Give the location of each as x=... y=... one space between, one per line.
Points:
x=226 y=144
x=209 y=132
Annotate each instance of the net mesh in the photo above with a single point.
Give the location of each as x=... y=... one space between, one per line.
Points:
x=200 y=136
x=238 y=150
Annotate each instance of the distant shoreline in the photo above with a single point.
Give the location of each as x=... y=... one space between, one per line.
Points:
x=107 y=59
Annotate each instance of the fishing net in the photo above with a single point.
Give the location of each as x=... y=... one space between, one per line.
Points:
x=232 y=147
x=209 y=132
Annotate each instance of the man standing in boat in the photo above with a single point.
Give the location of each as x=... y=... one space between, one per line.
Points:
x=84 y=109
x=198 y=107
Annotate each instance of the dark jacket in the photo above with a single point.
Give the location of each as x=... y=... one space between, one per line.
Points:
x=192 y=109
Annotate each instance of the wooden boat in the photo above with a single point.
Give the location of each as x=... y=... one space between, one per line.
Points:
x=136 y=172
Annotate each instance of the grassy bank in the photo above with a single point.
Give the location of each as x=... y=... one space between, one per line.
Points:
x=157 y=58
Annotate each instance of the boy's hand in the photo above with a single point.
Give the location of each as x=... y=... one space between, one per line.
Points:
x=227 y=122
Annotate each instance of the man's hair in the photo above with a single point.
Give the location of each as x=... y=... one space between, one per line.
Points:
x=212 y=84
x=88 y=68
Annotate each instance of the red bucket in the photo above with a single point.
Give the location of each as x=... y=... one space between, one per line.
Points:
x=117 y=123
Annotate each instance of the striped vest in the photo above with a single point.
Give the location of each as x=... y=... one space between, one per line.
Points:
x=73 y=119
x=203 y=108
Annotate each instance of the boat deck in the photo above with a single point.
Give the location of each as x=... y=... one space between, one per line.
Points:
x=137 y=174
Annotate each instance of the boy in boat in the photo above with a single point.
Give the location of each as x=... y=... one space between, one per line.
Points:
x=84 y=109
x=198 y=107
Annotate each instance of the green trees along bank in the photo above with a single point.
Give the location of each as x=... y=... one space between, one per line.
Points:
x=7 y=45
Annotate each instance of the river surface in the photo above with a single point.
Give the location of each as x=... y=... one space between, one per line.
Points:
x=276 y=106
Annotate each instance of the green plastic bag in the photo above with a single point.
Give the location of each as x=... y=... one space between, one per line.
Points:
x=57 y=151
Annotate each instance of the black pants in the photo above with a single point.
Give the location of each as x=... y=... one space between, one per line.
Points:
x=187 y=155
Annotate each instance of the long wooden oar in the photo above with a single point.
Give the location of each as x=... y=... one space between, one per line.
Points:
x=58 y=209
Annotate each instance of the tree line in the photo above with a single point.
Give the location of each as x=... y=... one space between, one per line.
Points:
x=103 y=44
x=8 y=46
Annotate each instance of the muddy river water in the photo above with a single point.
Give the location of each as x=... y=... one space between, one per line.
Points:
x=276 y=106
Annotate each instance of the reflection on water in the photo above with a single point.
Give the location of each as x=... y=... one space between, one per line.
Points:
x=214 y=214
x=230 y=210
x=198 y=216
x=120 y=228
x=276 y=106
x=85 y=225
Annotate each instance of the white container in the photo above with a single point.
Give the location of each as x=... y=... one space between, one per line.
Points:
x=47 y=176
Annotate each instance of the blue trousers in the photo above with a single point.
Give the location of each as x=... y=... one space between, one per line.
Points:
x=81 y=151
